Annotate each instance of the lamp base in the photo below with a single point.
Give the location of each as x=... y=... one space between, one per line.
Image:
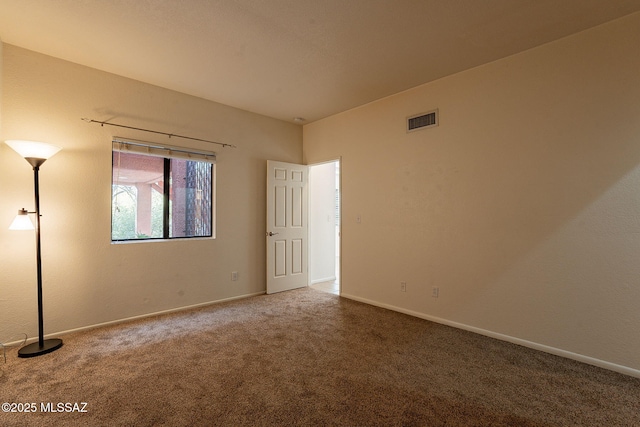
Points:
x=35 y=349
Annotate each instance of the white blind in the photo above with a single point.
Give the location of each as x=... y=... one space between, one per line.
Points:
x=151 y=149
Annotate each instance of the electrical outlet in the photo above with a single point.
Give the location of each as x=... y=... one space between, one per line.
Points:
x=435 y=292
x=234 y=276
x=403 y=286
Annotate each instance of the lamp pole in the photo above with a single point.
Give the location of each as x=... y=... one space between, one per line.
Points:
x=36 y=185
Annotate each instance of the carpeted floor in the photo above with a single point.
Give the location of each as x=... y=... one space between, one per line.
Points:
x=307 y=358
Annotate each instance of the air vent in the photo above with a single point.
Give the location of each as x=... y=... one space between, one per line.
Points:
x=422 y=121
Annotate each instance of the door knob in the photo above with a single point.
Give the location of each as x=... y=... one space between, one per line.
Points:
x=271 y=233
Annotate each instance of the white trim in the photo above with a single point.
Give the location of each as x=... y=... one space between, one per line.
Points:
x=142 y=316
x=325 y=279
x=540 y=347
x=160 y=150
x=171 y=239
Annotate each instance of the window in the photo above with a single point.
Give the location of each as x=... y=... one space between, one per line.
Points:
x=161 y=192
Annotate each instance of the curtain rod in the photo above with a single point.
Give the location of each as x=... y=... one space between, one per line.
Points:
x=157 y=132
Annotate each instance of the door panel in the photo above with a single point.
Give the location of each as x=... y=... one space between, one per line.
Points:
x=280 y=257
x=287 y=200
x=296 y=207
x=296 y=256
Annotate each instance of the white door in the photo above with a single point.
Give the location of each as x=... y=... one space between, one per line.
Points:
x=287 y=201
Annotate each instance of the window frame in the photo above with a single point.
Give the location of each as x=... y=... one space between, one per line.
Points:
x=167 y=153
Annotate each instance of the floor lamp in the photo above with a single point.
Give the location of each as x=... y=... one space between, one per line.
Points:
x=36 y=153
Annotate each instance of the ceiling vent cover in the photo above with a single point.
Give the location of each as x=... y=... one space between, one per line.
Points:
x=422 y=121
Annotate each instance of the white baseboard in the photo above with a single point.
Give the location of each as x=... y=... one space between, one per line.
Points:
x=142 y=316
x=325 y=279
x=541 y=347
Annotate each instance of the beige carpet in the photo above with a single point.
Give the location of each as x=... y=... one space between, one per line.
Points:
x=308 y=358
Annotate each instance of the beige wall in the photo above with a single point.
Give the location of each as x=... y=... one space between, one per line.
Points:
x=87 y=280
x=1 y=85
x=522 y=206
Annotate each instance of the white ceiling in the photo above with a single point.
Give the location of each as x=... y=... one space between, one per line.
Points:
x=294 y=58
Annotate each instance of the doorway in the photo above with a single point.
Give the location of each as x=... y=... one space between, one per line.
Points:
x=324 y=226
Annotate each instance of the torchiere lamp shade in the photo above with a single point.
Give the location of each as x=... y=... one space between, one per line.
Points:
x=33 y=149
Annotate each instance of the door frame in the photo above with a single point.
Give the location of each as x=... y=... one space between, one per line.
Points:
x=337 y=160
